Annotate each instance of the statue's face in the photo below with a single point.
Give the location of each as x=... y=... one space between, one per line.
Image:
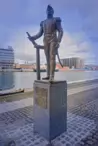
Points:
x=50 y=12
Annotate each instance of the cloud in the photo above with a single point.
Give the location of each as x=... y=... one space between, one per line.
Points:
x=23 y=48
x=79 y=20
x=79 y=15
x=71 y=46
x=84 y=47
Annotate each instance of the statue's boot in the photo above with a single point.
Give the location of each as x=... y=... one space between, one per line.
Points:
x=51 y=78
x=46 y=78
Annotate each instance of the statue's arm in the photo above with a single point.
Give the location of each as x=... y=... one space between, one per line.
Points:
x=59 y=29
x=39 y=34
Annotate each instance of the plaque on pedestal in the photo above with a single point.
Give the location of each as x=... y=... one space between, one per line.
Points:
x=50 y=108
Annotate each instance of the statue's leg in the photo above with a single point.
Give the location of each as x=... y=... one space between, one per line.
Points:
x=47 y=54
x=52 y=59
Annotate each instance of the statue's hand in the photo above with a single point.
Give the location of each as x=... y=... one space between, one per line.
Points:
x=31 y=38
x=36 y=46
x=57 y=45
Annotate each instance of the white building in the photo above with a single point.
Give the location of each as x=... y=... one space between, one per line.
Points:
x=6 y=58
x=73 y=62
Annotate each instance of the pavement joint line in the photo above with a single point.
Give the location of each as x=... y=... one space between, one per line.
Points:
x=81 y=81
x=81 y=89
x=80 y=106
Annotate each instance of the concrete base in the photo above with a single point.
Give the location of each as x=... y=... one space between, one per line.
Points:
x=50 y=108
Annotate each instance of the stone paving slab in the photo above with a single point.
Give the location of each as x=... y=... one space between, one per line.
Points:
x=78 y=129
x=89 y=110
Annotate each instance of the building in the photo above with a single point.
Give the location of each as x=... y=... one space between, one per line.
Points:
x=91 y=67
x=58 y=66
x=23 y=66
x=6 y=58
x=73 y=62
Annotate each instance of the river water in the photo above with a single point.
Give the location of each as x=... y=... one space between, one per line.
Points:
x=17 y=80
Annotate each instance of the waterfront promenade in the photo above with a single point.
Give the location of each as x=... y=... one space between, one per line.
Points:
x=16 y=119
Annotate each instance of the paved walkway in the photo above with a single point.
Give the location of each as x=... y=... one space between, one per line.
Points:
x=78 y=128
x=82 y=121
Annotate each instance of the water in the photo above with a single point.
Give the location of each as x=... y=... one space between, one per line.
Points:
x=17 y=80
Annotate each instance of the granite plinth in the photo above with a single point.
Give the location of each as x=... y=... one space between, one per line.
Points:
x=50 y=108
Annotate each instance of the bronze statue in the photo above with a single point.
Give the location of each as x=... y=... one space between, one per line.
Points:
x=49 y=28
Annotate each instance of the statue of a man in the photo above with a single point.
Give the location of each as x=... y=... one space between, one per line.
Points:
x=52 y=39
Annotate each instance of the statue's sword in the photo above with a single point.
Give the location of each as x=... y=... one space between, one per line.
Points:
x=37 y=56
x=59 y=58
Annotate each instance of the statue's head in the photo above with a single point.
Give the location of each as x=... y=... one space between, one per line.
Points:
x=50 y=11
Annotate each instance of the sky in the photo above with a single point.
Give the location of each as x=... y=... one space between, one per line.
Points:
x=79 y=22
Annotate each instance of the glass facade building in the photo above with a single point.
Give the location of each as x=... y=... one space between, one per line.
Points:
x=6 y=58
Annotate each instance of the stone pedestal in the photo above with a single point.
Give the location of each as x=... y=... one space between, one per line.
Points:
x=50 y=108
